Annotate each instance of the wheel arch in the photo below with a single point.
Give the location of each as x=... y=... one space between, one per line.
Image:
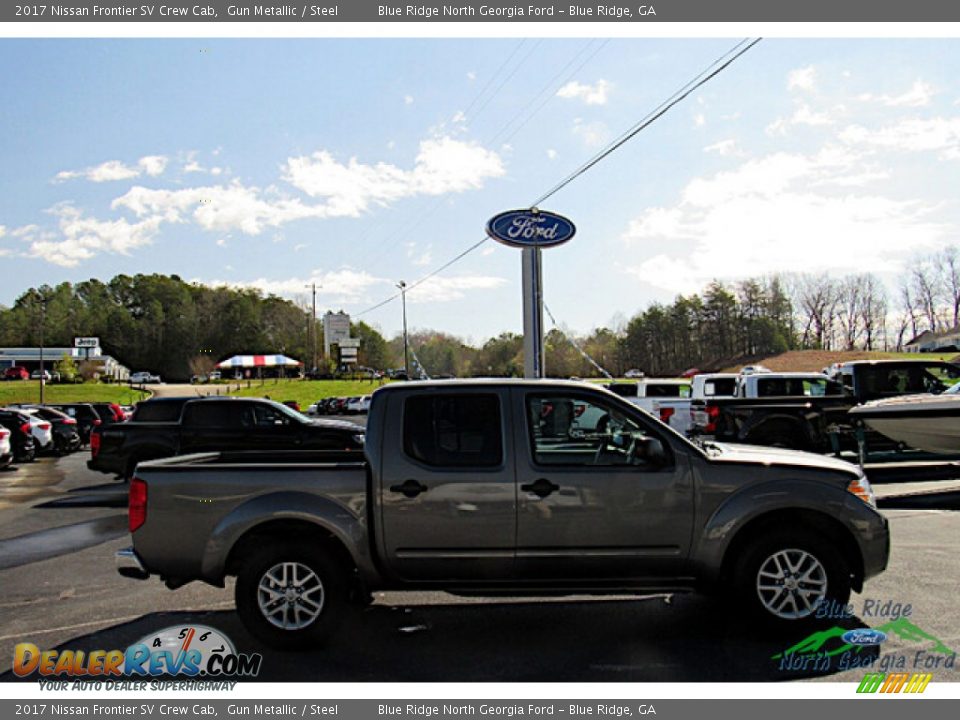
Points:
x=800 y=518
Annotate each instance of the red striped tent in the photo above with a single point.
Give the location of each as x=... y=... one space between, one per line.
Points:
x=258 y=361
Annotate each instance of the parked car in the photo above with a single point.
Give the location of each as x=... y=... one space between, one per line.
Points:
x=21 y=435
x=6 y=451
x=144 y=378
x=292 y=404
x=42 y=432
x=212 y=424
x=633 y=373
x=46 y=375
x=474 y=486
x=109 y=412
x=84 y=413
x=358 y=405
x=66 y=437
x=16 y=373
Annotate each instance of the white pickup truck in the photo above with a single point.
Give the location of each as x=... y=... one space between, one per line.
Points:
x=665 y=398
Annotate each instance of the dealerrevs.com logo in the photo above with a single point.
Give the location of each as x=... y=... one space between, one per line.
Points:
x=190 y=651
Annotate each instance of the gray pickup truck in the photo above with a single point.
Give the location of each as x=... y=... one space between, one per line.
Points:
x=505 y=487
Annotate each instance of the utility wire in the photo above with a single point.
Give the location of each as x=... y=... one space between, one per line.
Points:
x=575 y=346
x=714 y=69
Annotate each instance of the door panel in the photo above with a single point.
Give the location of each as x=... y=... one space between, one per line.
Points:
x=447 y=494
x=617 y=512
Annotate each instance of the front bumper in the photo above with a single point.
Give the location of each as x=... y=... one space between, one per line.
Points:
x=130 y=565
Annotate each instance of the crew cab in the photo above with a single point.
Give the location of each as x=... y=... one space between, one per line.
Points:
x=505 y=487
x=177 y=426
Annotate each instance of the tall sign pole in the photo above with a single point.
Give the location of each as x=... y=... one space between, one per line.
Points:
x=531 y=230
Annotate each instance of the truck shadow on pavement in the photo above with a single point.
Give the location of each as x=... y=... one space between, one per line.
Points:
x=636 y=640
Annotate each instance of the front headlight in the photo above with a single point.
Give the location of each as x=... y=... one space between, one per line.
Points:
x=861 y=488
x=360 y=439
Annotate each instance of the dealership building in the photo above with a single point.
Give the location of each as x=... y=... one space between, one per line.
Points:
x=29 y=357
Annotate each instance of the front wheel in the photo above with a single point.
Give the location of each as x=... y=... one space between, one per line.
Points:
x=290 y=597
x=783 y=578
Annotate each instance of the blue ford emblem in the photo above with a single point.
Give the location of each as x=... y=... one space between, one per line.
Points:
x=864 y=636
x=530 y=228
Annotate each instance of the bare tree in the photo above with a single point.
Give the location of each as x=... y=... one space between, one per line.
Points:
x=873 y=310
x=850 y=309
x=950 y=273
x=927 y=289
x=908 y=313
x=816 y=298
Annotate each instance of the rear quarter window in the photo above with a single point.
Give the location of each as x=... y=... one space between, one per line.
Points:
x=453 y=430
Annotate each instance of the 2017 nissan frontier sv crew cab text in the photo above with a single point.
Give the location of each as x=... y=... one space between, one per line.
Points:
x=505 y=486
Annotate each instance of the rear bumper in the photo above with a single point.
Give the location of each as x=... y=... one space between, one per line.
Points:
x=100 y=466
x=130 y=565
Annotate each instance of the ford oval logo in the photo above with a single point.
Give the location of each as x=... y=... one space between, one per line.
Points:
x=530 y=228
x=864 y=636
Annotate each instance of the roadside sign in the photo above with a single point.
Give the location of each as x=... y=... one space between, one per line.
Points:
x=349 y=343
x=531 y=228
x=86 y=342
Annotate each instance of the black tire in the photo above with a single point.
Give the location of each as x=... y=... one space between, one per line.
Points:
x=314 y=624
x=821 y=561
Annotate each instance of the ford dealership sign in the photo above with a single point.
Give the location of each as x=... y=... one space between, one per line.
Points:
x=530 y=228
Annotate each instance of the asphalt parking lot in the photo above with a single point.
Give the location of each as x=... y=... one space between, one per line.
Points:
x=61 y=523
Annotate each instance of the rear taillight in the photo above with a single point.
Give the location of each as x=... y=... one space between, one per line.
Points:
x=69 y=421
x=94 y=444
x=43 y=425
x=713 y=414
x=98 y=422
x=666 y=413
x=25 y=428
x=138 y=503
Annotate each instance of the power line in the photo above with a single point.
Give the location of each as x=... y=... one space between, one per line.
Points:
x=714 y=69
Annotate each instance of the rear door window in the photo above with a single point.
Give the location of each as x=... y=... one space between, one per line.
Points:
x=212 y=414
x=453 y=430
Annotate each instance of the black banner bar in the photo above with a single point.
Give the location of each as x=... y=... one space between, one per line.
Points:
x=332 y=11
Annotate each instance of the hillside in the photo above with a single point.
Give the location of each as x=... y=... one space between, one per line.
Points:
x=816 y=360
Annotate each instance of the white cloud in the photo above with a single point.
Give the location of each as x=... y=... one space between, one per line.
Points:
x=913 y=135
x=443 y=165
x=802 y=78
x=767 y=216
x=153 y=165
x=408 y=99
x=699 y=120
x=347 y=285
x=218 y=207
x=723 y=147
x=592 y=134
x=919 y=95
x=82 y=237
x=443 y=289
x=551 y=154
x=471 y=76
x=3 y=230
x=114 y=170
x=596 y=94
x=805 y=115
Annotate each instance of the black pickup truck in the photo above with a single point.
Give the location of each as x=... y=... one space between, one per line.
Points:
x=820 y=421
x=177 y=426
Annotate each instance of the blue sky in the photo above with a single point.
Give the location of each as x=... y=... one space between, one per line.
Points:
x=358 y=163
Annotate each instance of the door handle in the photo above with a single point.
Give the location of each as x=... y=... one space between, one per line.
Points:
x=411 y=488
x=541 y=488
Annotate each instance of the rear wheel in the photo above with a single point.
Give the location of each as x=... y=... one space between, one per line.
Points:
x=290 y=597
x=783 y=578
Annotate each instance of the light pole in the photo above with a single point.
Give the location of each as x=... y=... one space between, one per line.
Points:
x=406 y=352
x=43 y=321
x=312 y=335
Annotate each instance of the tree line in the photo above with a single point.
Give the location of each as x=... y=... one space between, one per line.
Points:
x=168 y=326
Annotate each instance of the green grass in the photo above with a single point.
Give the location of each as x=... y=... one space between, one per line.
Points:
x=306 y=392
x=28 y=391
